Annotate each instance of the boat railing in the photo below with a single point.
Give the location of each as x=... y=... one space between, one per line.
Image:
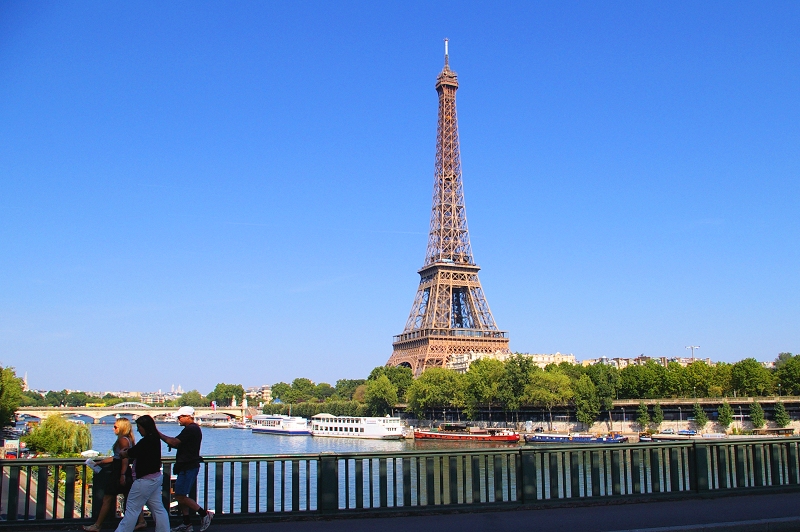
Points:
x=64 y=491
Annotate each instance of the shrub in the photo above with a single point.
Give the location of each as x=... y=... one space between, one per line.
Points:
x=58 y=437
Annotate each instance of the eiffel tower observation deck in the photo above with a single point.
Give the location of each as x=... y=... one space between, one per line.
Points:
x=450 y=315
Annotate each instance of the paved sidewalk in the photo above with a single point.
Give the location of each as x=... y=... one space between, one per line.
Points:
x=763 y=512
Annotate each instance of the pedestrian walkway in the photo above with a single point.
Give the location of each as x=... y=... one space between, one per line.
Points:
x=768 y=513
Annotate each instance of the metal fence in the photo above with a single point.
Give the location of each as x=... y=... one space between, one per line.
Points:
x=258 y=486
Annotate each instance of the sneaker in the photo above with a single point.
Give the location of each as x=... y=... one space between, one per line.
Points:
x=182 y=528
x=205 y=522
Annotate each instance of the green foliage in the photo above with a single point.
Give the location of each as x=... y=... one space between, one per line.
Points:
x=700 y=417
x=725 y=415
x=782 y=418
x=345 y=388
x=548 y=390
x=308 y=409
x=587 y=404
x=300 y=391
x=606 y=382
x=380 y=396
x=53 y=398
x=192 y=398
x=642 y=381
x=517 y=372
x=642 y=415
x=756 y=415
x=788 y=374
x=58 y=437
x=482 y=384
x=782 y=359
x=10 y=395
x=111 y=400
x=658 y=416
x=223 y=394
x=78 y=399
x=750 y=378
x=435 y=388
x=400 y=376
x=31 y=398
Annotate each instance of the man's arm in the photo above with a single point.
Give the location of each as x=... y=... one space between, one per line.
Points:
x=169 y=440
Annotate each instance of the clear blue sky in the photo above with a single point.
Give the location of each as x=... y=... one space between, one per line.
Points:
x=203 y=192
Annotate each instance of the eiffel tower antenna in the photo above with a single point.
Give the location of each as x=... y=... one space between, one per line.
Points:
x=450 y=315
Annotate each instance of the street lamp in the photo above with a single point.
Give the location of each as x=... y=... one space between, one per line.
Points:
x=692 y=347
x=779 y=389
x=680 y=418
x=623 y=417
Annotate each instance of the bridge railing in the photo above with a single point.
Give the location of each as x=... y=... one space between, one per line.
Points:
x=260 y=486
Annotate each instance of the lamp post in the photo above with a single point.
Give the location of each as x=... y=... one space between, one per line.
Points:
x=779 y=389
x=741 y=418
x=692 y=347
x=623 y=417
x=680 y=418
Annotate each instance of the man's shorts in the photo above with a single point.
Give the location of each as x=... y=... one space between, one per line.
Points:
x=185 y=481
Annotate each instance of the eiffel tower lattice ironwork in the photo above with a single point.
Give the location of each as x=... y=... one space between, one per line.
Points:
x=450 y=315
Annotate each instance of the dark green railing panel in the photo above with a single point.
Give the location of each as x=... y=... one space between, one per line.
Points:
x=328 y=484
x=794 y=467
x=383 y=484
x=359 y=483
x=453 y=477
x=41 y=491
x=617 y=472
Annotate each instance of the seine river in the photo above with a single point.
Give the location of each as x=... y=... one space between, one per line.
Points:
x=221 y=442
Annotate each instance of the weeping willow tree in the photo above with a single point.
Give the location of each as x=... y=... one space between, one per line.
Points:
x=58 y=437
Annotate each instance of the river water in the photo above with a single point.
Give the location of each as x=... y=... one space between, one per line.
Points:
x=226 y=442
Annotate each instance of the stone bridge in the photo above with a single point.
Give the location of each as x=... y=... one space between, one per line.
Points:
x=123 y=409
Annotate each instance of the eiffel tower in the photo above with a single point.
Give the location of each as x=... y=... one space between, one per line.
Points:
x=450 y=315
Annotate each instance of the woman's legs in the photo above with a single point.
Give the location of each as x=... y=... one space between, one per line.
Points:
x=108 y=502
x=133 y=507
x=157 y=509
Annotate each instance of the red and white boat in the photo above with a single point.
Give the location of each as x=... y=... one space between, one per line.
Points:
x=461 y=432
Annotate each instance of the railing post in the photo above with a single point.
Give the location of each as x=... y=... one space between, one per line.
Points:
x=166 y=486
x=528 y=491
x=328 y=483
x=99 y=481
x=700 y=465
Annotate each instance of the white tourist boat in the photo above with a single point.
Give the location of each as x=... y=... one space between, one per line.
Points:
x=280 y=424
x=370 y=428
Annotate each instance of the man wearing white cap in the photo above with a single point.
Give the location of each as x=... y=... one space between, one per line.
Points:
x=187 y=465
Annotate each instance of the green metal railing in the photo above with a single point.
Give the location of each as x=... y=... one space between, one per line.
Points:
x=258 y=486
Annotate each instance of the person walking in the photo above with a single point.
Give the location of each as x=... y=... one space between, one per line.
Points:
x=187 y=466
x=120 y=478
x=146 y=488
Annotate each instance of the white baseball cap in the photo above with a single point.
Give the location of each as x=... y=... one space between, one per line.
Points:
x=184 y=411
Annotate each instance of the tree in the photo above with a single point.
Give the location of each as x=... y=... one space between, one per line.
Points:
x=436 y=388
x=721 y=380
x=642 y=415
x=548 y=390
x=606 y=382
x=725 y=415
x=10 y=395
x=282 y=392
x=482 y=384
x=323 y=391
x=782 y=359
x=750 y=378
x=587 y=404
x=58 y=437
x=782 y=418
x=346 y=387
x=788 y=374
x=517 y=372
x=756 y=415
x=400 y=376
x=31 y=398
x=700 y=417
x=223 y=394
x=380 y=396
x=192 y=398
x=53 y=398
x=644 y=381
x=658 y=416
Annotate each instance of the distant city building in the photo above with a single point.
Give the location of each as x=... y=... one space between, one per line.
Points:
x=641 y=360
x=125 y=394
x=462 y=362
x=261 y=393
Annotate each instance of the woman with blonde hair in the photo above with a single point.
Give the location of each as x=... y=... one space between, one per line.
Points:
x=120 y=479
